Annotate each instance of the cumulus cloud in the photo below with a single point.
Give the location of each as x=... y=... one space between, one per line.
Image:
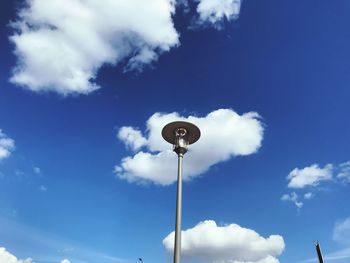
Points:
x=292 y=197
x=208 y=242
x=61 y=44
x=7 y=145
x=224 y=134
x=341 y=231
x=7 y=257
x=312 y=175
x=214 y=11
x=309 y=176
x=65 y=261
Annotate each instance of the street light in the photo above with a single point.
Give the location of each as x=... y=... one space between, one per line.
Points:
x=180 y=134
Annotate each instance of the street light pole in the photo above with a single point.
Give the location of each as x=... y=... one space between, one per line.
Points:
x=180 y=134
x=177 y=245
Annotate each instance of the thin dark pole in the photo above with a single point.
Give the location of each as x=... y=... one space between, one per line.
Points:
x=319 y=254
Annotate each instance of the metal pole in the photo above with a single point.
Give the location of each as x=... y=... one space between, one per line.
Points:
x=177 y=245
x=319 y=254
x=180 y=134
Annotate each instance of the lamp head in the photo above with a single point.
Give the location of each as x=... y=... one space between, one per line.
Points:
x=181 y=134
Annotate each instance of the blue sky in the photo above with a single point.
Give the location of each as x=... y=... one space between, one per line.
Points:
x=85 y=84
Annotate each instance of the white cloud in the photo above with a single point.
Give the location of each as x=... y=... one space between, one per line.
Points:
x=208 y=242
x=292 y=197
x=131 y=137
x=268 y=259
x=341 y=254
x=7 y=145
x=341 y=231
x=333 y=256
x=341 y=235
x=308 y=195
x=214 y=11
x=344 y=172
x=61 y=44
x=43 y=188
x=37 y=170
x=309 y=176
x=45 y=247
x=224 y=134
x=7 y=257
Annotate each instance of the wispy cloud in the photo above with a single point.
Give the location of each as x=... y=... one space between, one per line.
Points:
x=225 y=134
x=344 y=172
x=337 y=255
x=45 y=247
x=341 y=231
x=311 y=177
x=308 y=195
x=333 y=256
x=292 y=197
x=37 y=170
x=43 y=188
x=7 y=145
x=341 y=235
